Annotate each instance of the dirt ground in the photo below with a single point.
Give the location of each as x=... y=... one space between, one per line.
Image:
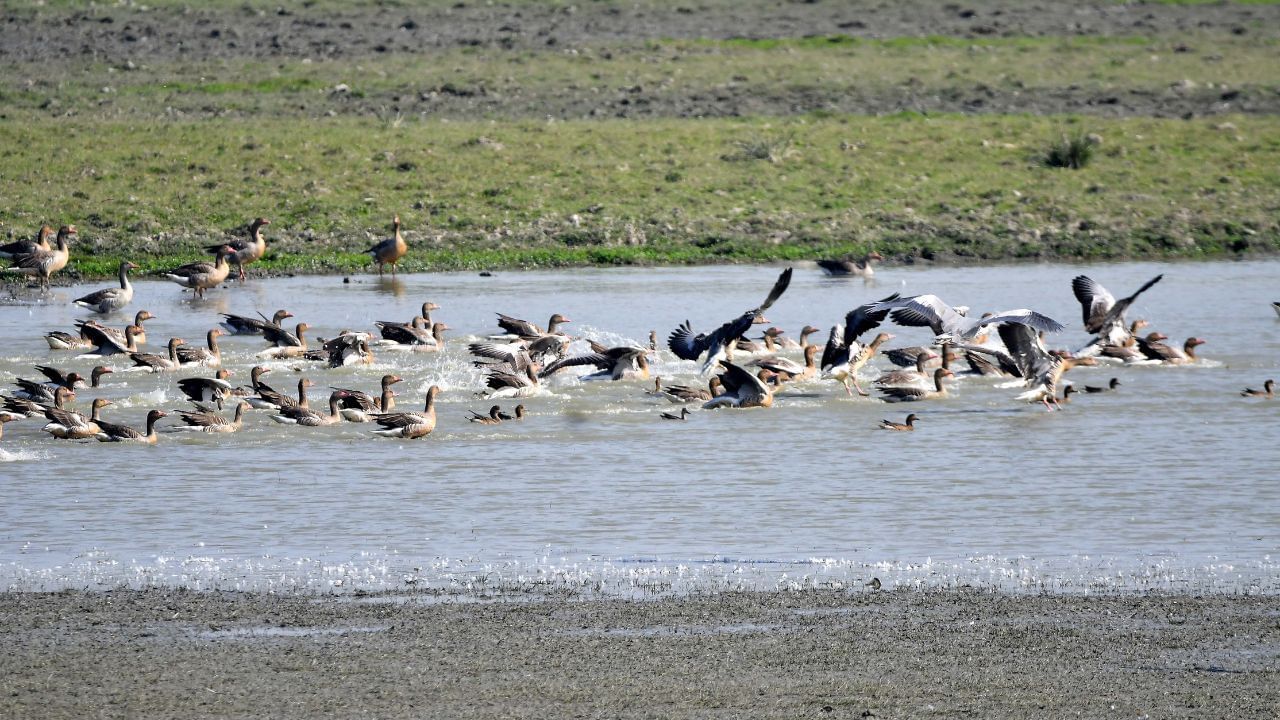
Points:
x=857 y=655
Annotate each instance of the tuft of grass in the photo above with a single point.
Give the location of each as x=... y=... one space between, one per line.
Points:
x=1070 y=150
x=772 y=147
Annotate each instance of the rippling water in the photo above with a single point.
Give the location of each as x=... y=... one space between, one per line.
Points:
x=1167 y=484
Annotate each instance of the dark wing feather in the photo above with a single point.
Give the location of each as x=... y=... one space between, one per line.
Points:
x=835 y=351
x=685 y=344
x=1024 y=348
x=864 y=318
x=516 y=326
x=1095 y=301
x=600 y=360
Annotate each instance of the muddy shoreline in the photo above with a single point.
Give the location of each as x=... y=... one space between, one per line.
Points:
x=838 y=654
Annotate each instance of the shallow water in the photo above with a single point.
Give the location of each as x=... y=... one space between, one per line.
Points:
x=1167 y=484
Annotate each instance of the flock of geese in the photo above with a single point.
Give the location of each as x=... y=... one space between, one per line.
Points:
x=740 y=372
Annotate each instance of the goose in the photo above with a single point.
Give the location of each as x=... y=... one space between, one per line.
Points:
x=109 y=341
x=787 y=343
x=949 y=325
x=211 y=422
x=908 y=425
x=903 y=378
x=244 y=325
x=159 y=363
x=1155 y=350
x=493 y=418
x=286 y=344
x=111 y=432
x=741 y=389
x=200 y=276
x=843 y=355
x=298 y=415
x=1041 y=369
x=359 y=406
x=789 y=369
x=542 y=351
x=684 y=394
x=70 y=379
x=517 y=328
x=410 y=424
x=110 y=299
x=389 y=251
x=905 y=357
x=244 y=251
x=43 y=263
x=62 y=340
x=615 y=363
x=1268 y=391
x=684 y=413
x=189 y=356
x=1115 y=383
x=269 y=399
x=687 y=346
x=43 y=392
x=26 y=247
x=1103 y=314
x=206 y=390
x=915 y=394
x=502 y=383
x=70 y=425
x=16 y=408
x=406 y=335
x=349 y=348
x=855 y=268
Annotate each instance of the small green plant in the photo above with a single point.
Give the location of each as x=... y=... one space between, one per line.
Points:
x=1070 y=151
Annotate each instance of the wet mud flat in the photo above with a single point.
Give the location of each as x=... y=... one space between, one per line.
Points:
x=823 y=654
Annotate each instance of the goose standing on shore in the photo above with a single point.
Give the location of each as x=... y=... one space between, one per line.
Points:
x=201 y=276
x=44 y=263
x=26 y=247
x=109 y=300
x=244 y=251
x=391 y=250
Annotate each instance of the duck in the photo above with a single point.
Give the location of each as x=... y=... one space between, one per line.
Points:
x=244 y=251
x=26 y=247
x=493 y=418
x=1040 y=369
x=948 y=325
x=903 y=378
x=790 y=370
x=359 y=406
x=286 y=344
x=1268 y=391
x=159 y=363
x=109 y=300
x=206 y=390
x=410 y=425
x=70 y=425
x=201 y=276
x=43 y=263
x=244 y=325
x=1067 y=392
x=1115 y=383
x=684 y=413
x=298 y=415
x=686 y=394
x=391 y=250
x=909 y=425
x=916 y=394
x=715 y=345
x=1103 y=314
x=111 y=432
x=211 y=422
x=519 y=414
x=741 y=389
x=860 y=267
x=189 y=356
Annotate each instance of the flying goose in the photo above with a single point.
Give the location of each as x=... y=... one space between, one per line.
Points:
x=687 y=346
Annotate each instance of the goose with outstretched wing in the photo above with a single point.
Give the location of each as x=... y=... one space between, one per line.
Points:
x=688 y=346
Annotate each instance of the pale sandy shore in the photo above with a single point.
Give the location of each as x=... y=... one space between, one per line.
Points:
x=806 y=654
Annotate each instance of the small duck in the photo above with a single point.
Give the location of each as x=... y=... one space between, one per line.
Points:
x=1268 y=391
x=493 y=418
x=684 y=413
x=908 y=426
x=1115 y=383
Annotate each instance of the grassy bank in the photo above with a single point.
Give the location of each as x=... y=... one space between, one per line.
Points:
x=482 y=194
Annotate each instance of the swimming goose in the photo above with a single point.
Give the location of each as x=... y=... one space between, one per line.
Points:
x=61 y=340
x=1268 y=391
x=414 y=332
x=1103 y=314
x=684 y=413
x=1115 y=383
x=211 y=422
x=741 y=389
x=269 y=399
x=615 y=363
x=685 y=394
x=244 y=325
x=790 y=370
x=903 y=378
x=110 y=299
x=948 y=325
x=541 y=351
x=200 y=276
x=410 y=424
x=359 y=406
x=1153 y=349
x=908 y=426
x=16 y=408
x=211 y=356
x=43 y=392
x=687 y=346
x=787 y=343
x=244 y=251
x=70 y=379
x=26 y=247
x=206 y=390
x=493 y=418
x=70 y=425
x=159 y=363
x=1041 y=369
x=391 y=250
x=905 y=357
x=512 y=384
x=287 y=344
x=914 y=394
x=109 y=341
x=297 y=415
x=44 y=263
x=111 y=432
x=856 y=268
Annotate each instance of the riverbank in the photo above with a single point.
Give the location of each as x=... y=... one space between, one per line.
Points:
x=788 y=654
